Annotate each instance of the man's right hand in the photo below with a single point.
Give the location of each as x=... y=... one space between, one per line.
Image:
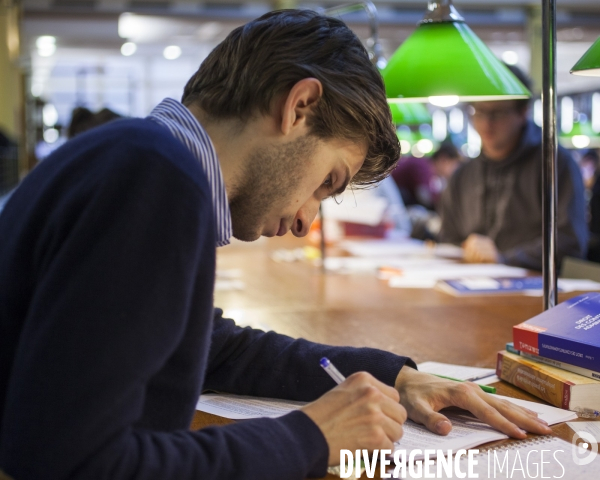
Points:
x=360 y=413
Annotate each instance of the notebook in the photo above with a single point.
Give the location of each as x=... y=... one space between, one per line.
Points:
x=522 y=460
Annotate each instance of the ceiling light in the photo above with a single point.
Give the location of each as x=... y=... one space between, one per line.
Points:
x=510 y=57
x=49 y=115
x=128 y=49
x=172 y=52
x=580 y=141
x=444 y=100
x=51 y=135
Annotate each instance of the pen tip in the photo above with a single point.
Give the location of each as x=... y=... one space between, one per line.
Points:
x=324 y=362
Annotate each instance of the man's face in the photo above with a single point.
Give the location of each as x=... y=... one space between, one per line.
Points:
x=283 y=185
x=499 y=124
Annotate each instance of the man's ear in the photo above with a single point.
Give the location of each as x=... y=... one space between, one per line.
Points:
x=299 y=102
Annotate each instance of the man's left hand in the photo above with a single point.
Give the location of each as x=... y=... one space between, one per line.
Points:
x=424 y=395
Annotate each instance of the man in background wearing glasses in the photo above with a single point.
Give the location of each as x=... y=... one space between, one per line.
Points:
x=493 y=204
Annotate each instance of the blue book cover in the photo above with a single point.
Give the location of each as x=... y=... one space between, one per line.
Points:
x=491 y=285
x=569 y=332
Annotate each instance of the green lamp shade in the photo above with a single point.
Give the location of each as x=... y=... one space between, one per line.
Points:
x=589 y=64
x=448 y=61
x=581 y=136
x=409 y=113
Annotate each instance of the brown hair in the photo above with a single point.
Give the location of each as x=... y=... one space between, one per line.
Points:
x=265 y=58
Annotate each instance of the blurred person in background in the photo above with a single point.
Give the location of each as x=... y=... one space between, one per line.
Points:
x=107 y=329
x=493 y=204
x=588 y=161
x=421 y=181
x=589 y=168
x=83 y=119
x=416 y=181
x=445 y=160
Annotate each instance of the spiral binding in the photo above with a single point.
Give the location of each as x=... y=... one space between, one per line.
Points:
x=517 y=445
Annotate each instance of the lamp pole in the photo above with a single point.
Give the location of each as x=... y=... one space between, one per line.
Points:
x=549 y=152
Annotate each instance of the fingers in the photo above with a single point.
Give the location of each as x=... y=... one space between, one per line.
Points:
x=434 y=421
x=364 y=378
x=382 y=408
x=522 y=417
x=468 y=396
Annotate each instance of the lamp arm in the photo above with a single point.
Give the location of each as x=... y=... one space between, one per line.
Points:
x=373 y=45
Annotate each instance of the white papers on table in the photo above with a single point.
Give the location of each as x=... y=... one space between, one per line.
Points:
x=348 y=265
x=400 y=248
x=240 y=407
x=467 y=431
x=552 y=415
x=593 y=428
x=577 y=285
x=460 y=372
x=541 y=457
x=427 y=276
x=368 y=211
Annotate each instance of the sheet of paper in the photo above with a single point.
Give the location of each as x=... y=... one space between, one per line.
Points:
x=385 y=247
x=487 y=380
x=593 y=428
x=428 y=275
x=524 y=460
x=466 y=432
x=552 y=415
x=577 y=285
x=366 y=210
x=372 y=264
x=239 y=407
x=400 y=248
x=460 y=372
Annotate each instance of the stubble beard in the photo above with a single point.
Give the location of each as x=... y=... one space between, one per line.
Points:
x=269 y=179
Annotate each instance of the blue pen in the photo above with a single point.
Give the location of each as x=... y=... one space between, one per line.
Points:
x=332 y=371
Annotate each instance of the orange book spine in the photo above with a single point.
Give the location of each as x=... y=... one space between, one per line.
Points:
x=547 y=387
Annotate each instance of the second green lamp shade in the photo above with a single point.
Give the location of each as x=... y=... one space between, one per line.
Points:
x=589 y=64
x=409 y=113
x=447 y=60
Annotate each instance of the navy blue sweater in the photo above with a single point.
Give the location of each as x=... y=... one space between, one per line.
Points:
x=108 y=333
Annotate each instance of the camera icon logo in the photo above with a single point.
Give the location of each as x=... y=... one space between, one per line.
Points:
x=581 y=454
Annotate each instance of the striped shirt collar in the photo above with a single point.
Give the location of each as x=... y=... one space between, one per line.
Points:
x=185 y=127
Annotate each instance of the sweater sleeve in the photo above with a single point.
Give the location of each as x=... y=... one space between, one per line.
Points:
x=110 y=306
x=252 y=362
x=572 y=233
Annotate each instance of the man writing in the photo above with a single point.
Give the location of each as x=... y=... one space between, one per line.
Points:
x=493 y=204
x=107 y=329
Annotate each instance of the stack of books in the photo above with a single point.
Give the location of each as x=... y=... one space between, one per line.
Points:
x=556 y=356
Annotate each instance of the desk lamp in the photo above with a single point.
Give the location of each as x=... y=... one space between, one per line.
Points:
x=444 y=62
x=589 y=64
x=409 y=113
x=581 y=136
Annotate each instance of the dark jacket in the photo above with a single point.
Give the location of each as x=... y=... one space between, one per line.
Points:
x=503 y=200
x=108 y=333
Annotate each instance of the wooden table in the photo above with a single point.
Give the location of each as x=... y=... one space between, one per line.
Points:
x=299 y=300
